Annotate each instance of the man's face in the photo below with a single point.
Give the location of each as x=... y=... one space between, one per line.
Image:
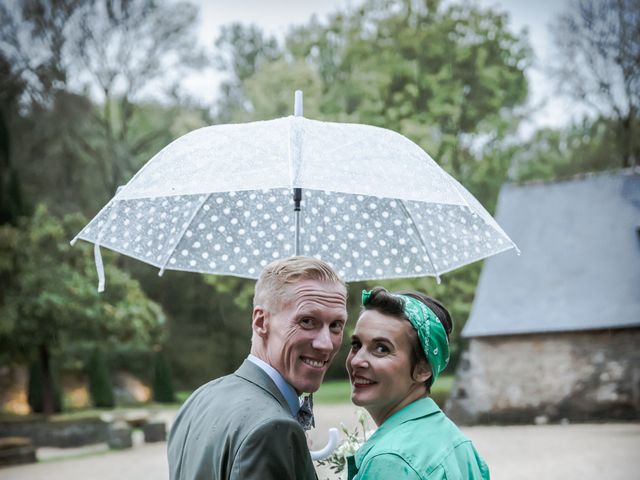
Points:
x=304 y=333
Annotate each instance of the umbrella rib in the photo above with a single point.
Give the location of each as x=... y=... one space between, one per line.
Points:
x=103 y=209
x=417 y=234
x=193 y=215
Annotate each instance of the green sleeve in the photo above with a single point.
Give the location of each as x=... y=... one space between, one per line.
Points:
x=276 y=450
x=386 y=466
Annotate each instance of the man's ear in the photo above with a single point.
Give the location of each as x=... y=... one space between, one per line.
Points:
x=422 y=372
x=260 y=321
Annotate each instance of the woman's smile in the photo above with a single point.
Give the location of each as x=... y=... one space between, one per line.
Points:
x=379 y=365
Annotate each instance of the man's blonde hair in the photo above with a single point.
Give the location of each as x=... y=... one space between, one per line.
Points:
x=271 y=287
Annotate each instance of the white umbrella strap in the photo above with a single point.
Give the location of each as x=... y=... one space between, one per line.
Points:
x=99 y=266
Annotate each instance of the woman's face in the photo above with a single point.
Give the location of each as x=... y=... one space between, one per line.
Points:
x=379 y=366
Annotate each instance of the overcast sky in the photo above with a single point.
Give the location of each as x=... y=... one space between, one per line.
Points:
x=276 y=16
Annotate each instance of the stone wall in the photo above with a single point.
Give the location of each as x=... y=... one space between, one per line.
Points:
x=57 y=433
x=577 y=376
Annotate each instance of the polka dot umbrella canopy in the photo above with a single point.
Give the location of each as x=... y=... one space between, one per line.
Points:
x=220 y=200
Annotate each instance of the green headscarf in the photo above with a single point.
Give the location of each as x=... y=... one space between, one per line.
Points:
x=431 y=332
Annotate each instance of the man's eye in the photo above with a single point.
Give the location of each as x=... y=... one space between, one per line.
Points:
x=336 y=327
x=355 y=346
x=306 y=322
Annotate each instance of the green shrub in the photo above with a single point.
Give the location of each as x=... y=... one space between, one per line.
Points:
x=100 y=386
x=162 y=385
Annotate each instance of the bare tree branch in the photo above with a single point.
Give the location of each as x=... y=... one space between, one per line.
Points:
x=598 y=62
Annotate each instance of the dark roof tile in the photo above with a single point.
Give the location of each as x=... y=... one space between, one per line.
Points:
x=580 y=262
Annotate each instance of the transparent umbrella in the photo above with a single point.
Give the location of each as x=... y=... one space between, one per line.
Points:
x=228 y=199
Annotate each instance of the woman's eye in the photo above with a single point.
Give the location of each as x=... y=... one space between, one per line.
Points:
x=355 y=346
x=381 y=349
x=306 y=322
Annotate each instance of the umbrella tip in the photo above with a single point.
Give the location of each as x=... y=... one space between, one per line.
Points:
x=297 y=108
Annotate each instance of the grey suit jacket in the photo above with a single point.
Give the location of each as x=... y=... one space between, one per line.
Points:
x=238 y=427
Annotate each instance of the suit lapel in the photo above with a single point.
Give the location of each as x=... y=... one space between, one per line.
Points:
x=254 y=374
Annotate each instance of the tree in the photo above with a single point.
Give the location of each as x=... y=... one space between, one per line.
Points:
x=124 y=46
x=12 y=203
x=100 y=386
x=162 y=384
x=35 y=397
x=69 y=55
x=241 y=51
x=450 y=76
x=31 y=72
x=598 y=64
x=553 y=154
x=49 y=303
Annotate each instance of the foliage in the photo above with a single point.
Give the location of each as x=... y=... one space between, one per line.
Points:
x=49 y=303
x=551 y=154
x=83 y=106
x=11 y=198
x=448 y=76
x=209 y=321
x=440 y=75
x=50 y=295
x=240 y=51
x=162 y=384
x=598 y=64
x=100 y=386
x=231 y=321
x=78 y=75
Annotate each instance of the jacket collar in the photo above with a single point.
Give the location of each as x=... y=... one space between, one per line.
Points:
x=287 y=390
x=254 y=374
x=418 y=409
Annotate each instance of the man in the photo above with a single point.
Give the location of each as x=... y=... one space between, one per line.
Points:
x=245 y=425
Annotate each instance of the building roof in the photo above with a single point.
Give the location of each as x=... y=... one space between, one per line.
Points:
x=580 y=262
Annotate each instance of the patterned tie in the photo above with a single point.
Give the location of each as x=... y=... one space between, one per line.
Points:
x=305 y=414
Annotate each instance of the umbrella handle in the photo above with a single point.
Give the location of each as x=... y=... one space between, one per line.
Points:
x=328 y=448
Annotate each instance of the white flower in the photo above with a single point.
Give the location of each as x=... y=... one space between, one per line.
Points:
x=349 y=446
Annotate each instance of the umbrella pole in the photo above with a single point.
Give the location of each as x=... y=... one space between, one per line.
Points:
x=297 y=197
x=297 y=192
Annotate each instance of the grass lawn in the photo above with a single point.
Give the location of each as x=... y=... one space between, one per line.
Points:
x=182 y=395
x=339 y=391
x=333 y=391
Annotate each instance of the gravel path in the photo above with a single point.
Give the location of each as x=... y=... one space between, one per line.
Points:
x=553 y=452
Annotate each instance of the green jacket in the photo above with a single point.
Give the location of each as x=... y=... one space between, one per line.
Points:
x=238 y=427
x=418 y=442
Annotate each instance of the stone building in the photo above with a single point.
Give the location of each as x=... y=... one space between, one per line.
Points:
x=555 y=332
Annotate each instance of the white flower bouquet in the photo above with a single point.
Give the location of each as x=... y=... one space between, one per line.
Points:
x=350 y=444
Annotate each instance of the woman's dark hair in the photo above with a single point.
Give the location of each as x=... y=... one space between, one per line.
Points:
x=388 y=303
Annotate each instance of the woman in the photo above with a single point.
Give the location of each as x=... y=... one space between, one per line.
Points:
x=399 y=347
